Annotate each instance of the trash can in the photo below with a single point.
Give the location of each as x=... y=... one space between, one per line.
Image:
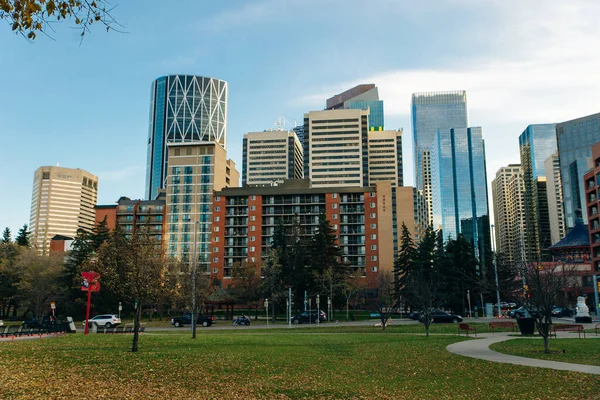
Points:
x=526 y=325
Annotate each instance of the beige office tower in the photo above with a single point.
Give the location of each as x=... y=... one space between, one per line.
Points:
x=385 y=157
x=271 y=156
x=196 y=170
x=62 y=202
x=555 y=198
x=336 y=148
x=509 y=213
x=426 y=184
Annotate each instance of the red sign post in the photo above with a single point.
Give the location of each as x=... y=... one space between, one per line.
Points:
x=90 y=282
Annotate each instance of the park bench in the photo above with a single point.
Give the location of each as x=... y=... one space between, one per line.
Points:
x=12 y=330
x=2 y=329
x=467 y=328
x=502 y=324
x=568 y=328
x=142 y=329
x=100 y=329
x=128 y=329
x=119 y=329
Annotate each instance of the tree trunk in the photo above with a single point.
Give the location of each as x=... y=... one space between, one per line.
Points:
x=426 y=330
x=136 y=327
x=194 y=322
x=546 y=345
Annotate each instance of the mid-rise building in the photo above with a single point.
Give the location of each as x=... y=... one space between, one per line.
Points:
x=575 y=139
x=507 y=196
x=361 y=97
x=432 y=111
x=196 y=170
x=536 y=144
x=183 y=109
x=459 y=187
x=555 y=198
x=271 y=156
x=299 y=130
x=62 y=202
x=136 y=216
x=244 y=221
x=592 y=182
x=385 y=157
x=336 y=148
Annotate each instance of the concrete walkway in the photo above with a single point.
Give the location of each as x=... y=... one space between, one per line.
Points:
x=480 y=349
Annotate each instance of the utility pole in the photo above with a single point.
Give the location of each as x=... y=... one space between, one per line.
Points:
x=496 y=273
x=290 y=307
x=194 y=284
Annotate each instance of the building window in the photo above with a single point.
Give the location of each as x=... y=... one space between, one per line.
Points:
x=373 y=215
x=216 y=229
x=217 y=219
x=252 y=238
x=334 y=205
x=372 y=194
x=253 y=197
x=373 y=247
x=373 y=226
x=253 y=218
x=334 y=195
x=373 y=269
x=218 y=198
x=334 y=216
x=335 y=226
x=373 y=258
x=372 y=205
x=252 y=208
x=373 y=236
x=216 y=239
x=215 y=249
x=215 y=270
x=216 y=259
x=253 y=228
x=217 y=208
x=252 y=248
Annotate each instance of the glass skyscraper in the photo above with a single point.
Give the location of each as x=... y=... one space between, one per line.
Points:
x=430 y=112
x=361 y=97
x=575 y=140
x=183 y=109
x=459 y=186
x=536 y=144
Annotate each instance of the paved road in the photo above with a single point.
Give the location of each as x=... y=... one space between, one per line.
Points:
x=480 y=348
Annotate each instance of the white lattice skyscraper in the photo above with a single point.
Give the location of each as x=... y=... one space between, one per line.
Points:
x=183 y=109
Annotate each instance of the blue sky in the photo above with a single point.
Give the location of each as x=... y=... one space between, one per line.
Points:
x=86 y=106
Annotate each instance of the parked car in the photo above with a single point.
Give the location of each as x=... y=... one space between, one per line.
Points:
x=186 y=319
x=561 y=312
x=522 y=312
x=106 y=320
x=43 y=322
x=414 y=315
x=309 y=316
x=439 y=316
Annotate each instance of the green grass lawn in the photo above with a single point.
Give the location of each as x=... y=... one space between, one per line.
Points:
x=578 y=351
x=298 y=364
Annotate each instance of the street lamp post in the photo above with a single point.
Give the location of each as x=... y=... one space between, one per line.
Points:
x=496 y=273
x=329 y=308
x=469 y=299
x=318 y=310
x=120 y=309
x=267 y=309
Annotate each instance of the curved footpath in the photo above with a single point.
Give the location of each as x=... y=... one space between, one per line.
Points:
x=480 y=348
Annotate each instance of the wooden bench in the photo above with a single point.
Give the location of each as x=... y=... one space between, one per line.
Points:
x=502 y=324
x=467 y=328
x=568 y=328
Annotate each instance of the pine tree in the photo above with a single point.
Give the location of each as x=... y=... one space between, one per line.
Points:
x=23 y=237
x=406 y=256
x=6 y=236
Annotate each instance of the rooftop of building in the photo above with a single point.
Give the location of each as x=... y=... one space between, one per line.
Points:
x=338 y=100
x=290 y=186
x=578 y=236
x=62 y=237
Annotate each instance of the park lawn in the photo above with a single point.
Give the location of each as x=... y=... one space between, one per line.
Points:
x=578 y=351
x=296 y=364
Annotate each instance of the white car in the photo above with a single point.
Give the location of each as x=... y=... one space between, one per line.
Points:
x=1 y=323
x=107 y=320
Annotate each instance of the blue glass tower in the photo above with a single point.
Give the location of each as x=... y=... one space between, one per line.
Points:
x=430 y=112
x=459 y=186
x=536 y=144
x=575 y=140
x=183 y=108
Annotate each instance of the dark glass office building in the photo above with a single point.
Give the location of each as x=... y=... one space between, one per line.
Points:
x=361 y=97
x=459 y=186
x=536 y=144
x=575 y=140
x=183 y=108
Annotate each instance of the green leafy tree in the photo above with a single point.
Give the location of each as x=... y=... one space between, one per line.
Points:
x=135 y=269
x=6 y=236
x=31 y=17
x=23 y=237
x=10 y=275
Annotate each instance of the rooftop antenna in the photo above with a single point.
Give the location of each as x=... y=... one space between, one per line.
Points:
x=282 y=122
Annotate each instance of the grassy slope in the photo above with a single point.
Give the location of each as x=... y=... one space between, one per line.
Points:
x=254 y=364
x=578 y=351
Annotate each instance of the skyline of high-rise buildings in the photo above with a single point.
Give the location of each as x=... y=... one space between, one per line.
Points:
x=183 y=109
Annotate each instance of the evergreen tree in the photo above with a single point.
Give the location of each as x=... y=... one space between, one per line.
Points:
x=6 y=236
x=461 y=273
x=23 y=237
x=406 y=256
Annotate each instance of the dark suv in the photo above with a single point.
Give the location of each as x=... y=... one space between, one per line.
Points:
x=44 y=322
x=309 y=316
x=186 y=319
